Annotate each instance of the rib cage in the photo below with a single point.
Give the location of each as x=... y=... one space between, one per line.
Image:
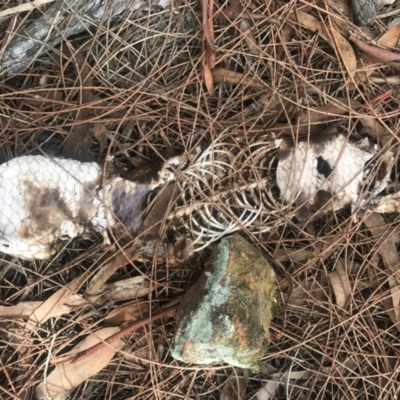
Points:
x=228 y=188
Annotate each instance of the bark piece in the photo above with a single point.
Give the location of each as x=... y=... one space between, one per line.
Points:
x=62 y=20
x=364 y=11
x=225 y=316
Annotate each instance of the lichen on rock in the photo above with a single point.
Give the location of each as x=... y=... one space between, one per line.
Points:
x=225 y=316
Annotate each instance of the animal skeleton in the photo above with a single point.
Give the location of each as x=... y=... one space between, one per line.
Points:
x=229 y=186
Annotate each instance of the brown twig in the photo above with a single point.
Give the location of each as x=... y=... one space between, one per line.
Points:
x=380 y=98
x=208 y=46
x=385 y=56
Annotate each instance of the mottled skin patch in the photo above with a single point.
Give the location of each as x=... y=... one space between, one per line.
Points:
x=383 y=170
x=315 y=209
x=46 y=209
x=322 y=197
x=146 y=174
x=87 y=206
x=128 y=206
x=24 y=231
x=283 y=152
x=323 y=167
x=319 y=146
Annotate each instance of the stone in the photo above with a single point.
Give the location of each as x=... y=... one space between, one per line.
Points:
x=225 y=316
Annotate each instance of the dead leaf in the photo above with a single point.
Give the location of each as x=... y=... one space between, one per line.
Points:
x=126 y=289
x=308 y=21
x=371 y=124
x=25 y=308
x=237 y=78
x=127 y=312
x=376 y=130
x=67 y=375
x=393 y=23
x=345 y=52
x=328 y=111
x=246 y=29
x=340 y=6
x=285 y=35
x=51 y=307
x=340 y=284
x=107 y=265
x=344 y=278
x=296 y=255
x=391 y=37
x=208 y=79
x=337 y=289
x=207 y=23
x=333 y=37
x=100 y=133
x=379 y=229
x=167 y=313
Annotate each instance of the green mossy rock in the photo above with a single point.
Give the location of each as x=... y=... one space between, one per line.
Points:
x=225 y=316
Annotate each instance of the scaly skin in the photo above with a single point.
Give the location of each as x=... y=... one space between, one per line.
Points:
x=45 y=200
